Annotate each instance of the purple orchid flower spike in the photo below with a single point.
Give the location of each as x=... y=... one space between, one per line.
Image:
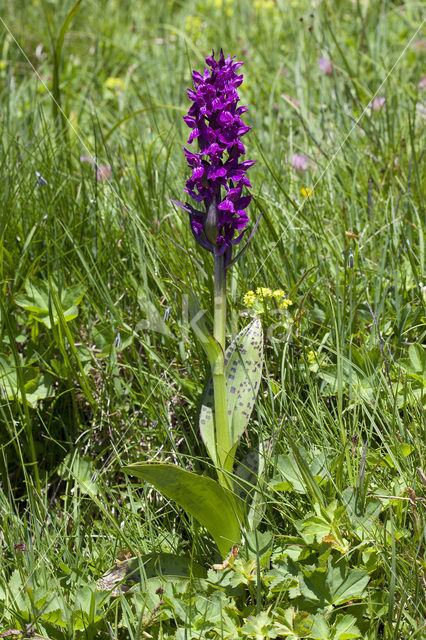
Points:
x=218 y=172
x=218 y=183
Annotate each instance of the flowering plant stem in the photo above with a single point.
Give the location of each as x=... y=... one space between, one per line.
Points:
x=216 y=184
x=223 y=442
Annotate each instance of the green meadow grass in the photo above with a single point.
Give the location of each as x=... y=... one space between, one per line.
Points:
x=98 y=363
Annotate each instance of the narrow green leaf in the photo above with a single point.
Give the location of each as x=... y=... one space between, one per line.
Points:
x=305 y=472
x=243 y=372
x=64 y=28
x=247 y=474
x=57 y=51
x=167 y=107
x=216 y=508
x=249 y=480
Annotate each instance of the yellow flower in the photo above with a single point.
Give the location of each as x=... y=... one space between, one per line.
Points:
x=224 y=5
x=258 y=299
x=310 y=356
x=264 y=292
x=279 y=293
x=115 y=84
x=306 y=192
x=264 y=4
x=249 y=299
x=193 y=25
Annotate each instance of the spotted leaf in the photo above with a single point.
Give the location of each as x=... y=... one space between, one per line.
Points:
x=243 y=371
x=149 y=565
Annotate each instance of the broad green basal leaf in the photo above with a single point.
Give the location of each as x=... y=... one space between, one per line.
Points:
x=337 y=585
x=32 y=385
x=38 y=302
x=243 y=372
x=290 y=478
x=344 y=628
x=206 y=500
x=82 y=471
x=415 y=366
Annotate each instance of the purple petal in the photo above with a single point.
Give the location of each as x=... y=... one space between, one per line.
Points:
x=234 y=193
x=226 y=205
x=243 y=203
x=194 y=134
x=190 y=121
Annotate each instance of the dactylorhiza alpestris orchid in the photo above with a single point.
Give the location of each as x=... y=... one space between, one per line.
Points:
x=219 y=186
x=218 y=171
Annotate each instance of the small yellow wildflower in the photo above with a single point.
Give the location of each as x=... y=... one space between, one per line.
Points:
x=285 y=303
x=259 y=298
x=306 y=192
x=224 y=5
x=310 y=356
x=249 y=299
x=264 y=292
x=193 y=25
x=264 y=4
x=115 y=84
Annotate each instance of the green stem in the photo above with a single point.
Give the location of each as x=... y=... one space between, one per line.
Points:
x=220 y=300
x=223 y=443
